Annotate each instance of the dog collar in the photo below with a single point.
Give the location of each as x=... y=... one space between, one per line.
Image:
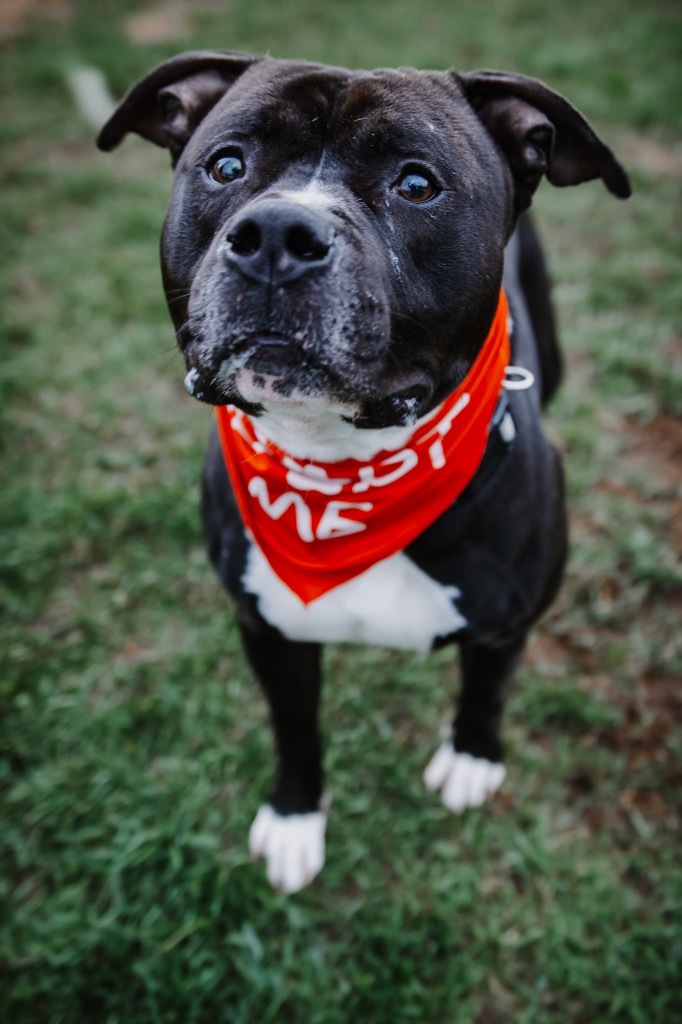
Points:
x=321 y=524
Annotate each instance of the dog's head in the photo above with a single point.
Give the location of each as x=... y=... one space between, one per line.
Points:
x=336 y=238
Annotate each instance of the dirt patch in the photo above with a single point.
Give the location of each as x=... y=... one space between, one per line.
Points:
x=548 y=654
x=12 y=15
x=651 y=156
x=657 y=445
x=664 y=691
x=161 y=24
x=16 y=14
x=643 y=738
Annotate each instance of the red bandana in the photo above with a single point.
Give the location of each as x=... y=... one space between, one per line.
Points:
x=321 y=524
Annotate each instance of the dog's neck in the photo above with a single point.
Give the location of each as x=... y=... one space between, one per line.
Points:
x=296 y=506
x=320 y=430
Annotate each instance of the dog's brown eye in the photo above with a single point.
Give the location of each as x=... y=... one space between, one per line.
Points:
x=227 y=169
x=415 y=187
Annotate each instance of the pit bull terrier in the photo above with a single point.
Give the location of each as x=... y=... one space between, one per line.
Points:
x=357 y=289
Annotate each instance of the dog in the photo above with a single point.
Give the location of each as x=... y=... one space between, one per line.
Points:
x=357 y=288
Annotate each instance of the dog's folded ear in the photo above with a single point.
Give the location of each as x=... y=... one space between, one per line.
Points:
x=541 y=133
x=167 y=104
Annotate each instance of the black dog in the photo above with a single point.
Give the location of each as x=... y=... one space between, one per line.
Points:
x=349 y=271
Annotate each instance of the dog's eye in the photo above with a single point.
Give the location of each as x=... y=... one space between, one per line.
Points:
x=415 y=187
x=227 y=168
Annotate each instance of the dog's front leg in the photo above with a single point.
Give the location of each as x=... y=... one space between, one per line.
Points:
x=289 y=831
x=467 y=767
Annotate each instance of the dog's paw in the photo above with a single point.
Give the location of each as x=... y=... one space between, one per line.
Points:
x=464 y=781
x=292 y=845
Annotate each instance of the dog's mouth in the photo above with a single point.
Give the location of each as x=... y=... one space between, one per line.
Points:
x=269 y=369
x=269 y=353
x=258 y=367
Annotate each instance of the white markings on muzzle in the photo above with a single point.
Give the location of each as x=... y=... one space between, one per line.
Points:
x=312 y=196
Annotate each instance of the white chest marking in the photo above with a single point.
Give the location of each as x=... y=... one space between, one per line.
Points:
x=393 y=604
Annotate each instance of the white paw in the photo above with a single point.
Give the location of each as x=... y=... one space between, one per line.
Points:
x=292 y=845
x=464 y=781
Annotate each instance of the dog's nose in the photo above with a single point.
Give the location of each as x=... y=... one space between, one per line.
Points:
x=277 y=242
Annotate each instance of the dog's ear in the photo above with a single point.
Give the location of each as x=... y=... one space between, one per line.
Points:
x=167 y=104
x=541 y=133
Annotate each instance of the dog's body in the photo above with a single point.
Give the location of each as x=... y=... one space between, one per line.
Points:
x=333 y=256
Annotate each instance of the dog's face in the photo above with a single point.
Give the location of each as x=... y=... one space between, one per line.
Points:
x=336 y=238
x=337 y=241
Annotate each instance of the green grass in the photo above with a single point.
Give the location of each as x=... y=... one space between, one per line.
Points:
x=135 y=749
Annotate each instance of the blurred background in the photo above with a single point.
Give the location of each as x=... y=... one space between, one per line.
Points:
x=134 y=748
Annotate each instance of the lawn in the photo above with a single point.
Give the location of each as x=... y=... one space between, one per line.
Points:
x=134 y=749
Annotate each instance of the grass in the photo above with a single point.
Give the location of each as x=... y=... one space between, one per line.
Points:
x=135 y=750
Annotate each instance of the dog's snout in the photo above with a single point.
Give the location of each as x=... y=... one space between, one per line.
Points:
x=278 y=242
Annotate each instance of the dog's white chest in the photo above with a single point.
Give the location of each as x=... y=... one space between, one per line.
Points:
x=393 y=604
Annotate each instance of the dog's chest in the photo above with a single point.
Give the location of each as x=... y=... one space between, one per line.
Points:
x=393 y=604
